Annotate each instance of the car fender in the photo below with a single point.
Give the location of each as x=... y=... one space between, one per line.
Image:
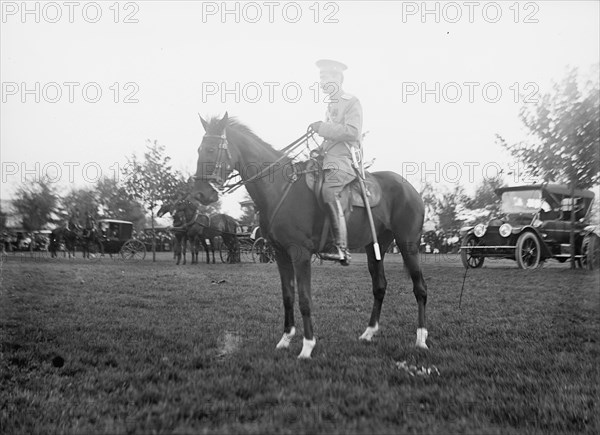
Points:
x=467 y=232
x=531 y=229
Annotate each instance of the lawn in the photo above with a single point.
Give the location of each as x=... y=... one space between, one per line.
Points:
x=106 y=346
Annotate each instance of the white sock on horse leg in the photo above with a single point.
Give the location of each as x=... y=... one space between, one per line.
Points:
x=369 y=332
x=307 y=348
x=421 y=338
x=284 y=343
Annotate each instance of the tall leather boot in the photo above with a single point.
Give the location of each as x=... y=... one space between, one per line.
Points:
x=338 y=225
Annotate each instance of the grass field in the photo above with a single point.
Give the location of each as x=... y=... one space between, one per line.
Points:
x=151 y=347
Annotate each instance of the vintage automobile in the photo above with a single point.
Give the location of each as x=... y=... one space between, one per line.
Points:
x=534 y=224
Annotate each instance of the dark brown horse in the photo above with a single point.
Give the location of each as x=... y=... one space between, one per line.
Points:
x=188 y=225
x=179 y=229
x=223 y=229
x=91 y=244
x=65 y=235
x=291 y=218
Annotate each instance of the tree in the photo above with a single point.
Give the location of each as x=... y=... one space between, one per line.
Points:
x=151 y=181
x=82 y=200
x=185 y=189
x=442 y=206
x=485 y=193
x=3 y=218
x=564 y=140
x=447 y=207
x=115 y=203
x=36 y=201
x=430 y=199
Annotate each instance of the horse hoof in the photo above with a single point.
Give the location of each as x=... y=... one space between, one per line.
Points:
x=285 y=341
x=307 y=348
x=369 y=333
x=421 y=339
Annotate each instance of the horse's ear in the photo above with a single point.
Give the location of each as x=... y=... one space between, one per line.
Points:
x=223 y=122
x=204 y=123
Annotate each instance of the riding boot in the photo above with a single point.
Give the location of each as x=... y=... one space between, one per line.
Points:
x=340 y=234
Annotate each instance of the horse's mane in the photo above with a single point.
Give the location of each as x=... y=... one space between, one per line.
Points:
x=238 y=127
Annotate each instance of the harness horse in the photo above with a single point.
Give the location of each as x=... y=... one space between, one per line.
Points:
x=90 y=239
x=184 y=214
x=291 y=218
x=64 y=235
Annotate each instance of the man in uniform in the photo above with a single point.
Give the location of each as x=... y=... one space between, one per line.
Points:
x=90 y=225
x=73 y=223
x=342 y=131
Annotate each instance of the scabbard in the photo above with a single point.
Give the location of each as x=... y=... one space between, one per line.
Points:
x=360 y=173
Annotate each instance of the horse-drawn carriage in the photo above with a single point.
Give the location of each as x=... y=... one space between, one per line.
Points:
x=248 y=246
x=116 y=237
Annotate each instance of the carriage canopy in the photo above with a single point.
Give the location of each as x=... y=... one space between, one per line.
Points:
x=116 y=229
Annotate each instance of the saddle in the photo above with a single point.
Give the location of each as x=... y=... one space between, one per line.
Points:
x=351 y=195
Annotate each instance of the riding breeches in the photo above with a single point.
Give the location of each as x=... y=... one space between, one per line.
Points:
x=334 y=181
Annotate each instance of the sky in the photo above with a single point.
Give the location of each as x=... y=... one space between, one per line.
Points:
x=86 y=85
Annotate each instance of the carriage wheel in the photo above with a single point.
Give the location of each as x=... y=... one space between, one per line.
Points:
x=590 y=249
x=246 y=252
x=228 y=255
x=527 y=252
x=262 y=252
x=133 y=250
x=469 y=257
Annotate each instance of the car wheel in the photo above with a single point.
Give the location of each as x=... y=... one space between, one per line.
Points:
x=470 y=258
x=590 y=251
x=528 y=253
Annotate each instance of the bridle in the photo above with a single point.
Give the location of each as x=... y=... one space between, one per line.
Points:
x=216 y=180
x=223 y=160
x=215 y=175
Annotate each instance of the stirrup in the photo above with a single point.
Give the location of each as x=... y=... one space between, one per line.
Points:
x=342 y=255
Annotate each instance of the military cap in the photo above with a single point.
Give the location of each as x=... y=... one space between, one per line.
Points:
x=331 y=65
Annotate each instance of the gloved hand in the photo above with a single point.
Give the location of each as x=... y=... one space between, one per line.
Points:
x=316 y=153
x=315 y=126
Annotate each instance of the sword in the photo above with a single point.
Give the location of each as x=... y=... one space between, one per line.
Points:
x=358 y=168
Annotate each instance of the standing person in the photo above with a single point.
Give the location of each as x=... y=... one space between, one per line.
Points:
x=342 y=131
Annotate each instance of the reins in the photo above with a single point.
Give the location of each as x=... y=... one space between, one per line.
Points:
x=265 y=171
x=286 y=151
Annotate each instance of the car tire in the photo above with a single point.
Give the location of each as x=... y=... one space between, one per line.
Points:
x=528 y=253
x=590 y=251
x=469 y=260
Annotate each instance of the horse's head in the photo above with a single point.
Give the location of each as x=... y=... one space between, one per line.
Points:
x=214 y=161
x=183 y=212
x=179 y=217
x=164 y=209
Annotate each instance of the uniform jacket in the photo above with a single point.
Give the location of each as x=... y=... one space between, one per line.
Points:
x=342 y=128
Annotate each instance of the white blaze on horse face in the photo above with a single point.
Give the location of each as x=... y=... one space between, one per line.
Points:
x=284 y=343
x=307 y=348
x=369 y=332
x=421 y=338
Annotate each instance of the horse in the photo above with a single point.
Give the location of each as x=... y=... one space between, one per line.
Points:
x=188 y=225
x=63 y=234
x=179 y=230
x=223 y=229
x=90 y=239
x=292 y=219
